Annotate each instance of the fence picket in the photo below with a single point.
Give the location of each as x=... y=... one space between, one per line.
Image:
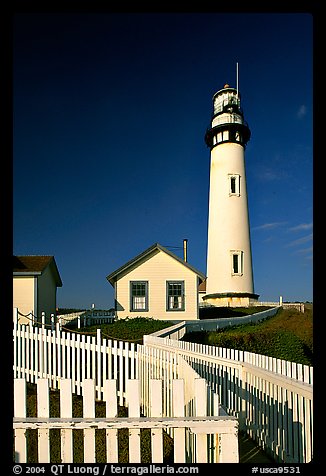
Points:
x=121 y=371
x=43 y=411
x=179 y=411
x=83 y=358
x=201 y=410
x=110 y=396
x=45 y=353
x=20 y=411
x=99 y=362
x=133 y=398
x=89 y=412
x=28 y=340
x=156 y=411
x=66 y=412
x=73 y=356
x=88 y=357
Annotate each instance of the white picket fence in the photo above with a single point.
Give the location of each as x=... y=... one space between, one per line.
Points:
x=272 y=398
x=56 y=356
x=214 y=438
x=43 y=353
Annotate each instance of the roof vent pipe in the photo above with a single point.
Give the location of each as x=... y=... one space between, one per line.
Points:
x=185 y=250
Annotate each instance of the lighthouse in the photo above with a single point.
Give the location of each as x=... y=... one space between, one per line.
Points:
x=229 y=262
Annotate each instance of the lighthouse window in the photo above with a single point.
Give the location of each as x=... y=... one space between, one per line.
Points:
x=234 y=188
x=236 y=263
x=233 y=184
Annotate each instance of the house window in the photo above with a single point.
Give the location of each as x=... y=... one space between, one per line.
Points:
x=236 y=263
x=234 y=185
x=175 y=298
x=139 y=296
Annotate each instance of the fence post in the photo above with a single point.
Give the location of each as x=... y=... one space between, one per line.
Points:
x=78 y=321
x=230 y=446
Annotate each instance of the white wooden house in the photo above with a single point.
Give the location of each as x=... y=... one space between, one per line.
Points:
x=35 y=282
x=157 y=284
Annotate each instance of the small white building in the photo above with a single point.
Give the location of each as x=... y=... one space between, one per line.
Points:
x=35 y=283
x=157 y=284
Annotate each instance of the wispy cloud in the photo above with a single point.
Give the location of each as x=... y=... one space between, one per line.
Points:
x=301 y=227
x=304 y=251
x=302 y=111
x=269 y=226
x=268 y=174
x=301 y=241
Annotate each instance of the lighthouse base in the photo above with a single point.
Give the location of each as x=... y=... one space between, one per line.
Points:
x=231 y=299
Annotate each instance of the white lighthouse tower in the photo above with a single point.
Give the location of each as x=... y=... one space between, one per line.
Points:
x=229 y=264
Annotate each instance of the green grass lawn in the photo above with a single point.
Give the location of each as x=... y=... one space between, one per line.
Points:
x=131 y=330
x=288 y=335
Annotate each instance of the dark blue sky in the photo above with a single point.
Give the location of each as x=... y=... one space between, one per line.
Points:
x=110 y=112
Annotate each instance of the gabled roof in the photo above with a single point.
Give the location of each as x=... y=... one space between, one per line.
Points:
x=113 y=277
x=34 y=265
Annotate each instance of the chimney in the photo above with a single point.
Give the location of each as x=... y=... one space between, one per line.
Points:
x=185 y=250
